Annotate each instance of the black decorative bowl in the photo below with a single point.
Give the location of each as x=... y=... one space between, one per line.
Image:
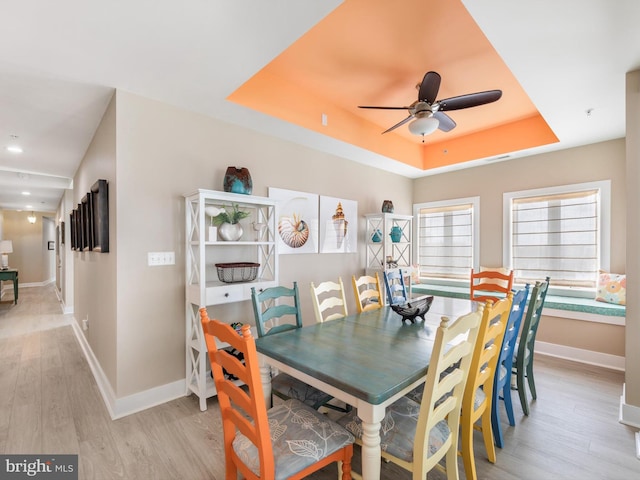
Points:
x=417 y=307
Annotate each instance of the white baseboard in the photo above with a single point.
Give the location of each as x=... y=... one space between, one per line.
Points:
x=590 y=357
x=629 y=414
x=121 y=407
x=65 y=309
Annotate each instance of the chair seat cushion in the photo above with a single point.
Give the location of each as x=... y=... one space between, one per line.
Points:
x=286 y=386
x=502 y=372
x=479 y=398
x=398 y=429
x=300 y=436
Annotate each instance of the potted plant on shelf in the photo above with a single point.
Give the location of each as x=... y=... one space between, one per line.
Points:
x=228 y=222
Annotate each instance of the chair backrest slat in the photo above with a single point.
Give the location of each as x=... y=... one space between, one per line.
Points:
x=531 y=322
x=490 y=281
x=269 y=307
x=368 y=292
x=329 y=300
x=396 y=290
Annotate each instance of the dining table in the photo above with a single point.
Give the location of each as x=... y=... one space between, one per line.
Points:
x=367 y=360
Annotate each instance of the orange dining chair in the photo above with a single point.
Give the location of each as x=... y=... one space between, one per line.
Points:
x=417 y=436
x=368 y=292
x=478 y=393
x=277 y=309
x=490 y=284
x=329 y=300
x=288 y=441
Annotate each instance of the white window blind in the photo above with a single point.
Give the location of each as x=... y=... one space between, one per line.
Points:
x=445 y=240
x=557 y=235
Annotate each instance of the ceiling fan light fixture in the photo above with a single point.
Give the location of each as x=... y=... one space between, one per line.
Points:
x=424 y=125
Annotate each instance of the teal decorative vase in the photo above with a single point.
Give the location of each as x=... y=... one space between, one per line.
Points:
x=377 y=236
x=238 y=180
x=395 y=234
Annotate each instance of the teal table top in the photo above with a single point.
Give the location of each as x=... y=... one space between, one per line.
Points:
x=372 y=355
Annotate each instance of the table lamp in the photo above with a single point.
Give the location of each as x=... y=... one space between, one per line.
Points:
x=5 y=247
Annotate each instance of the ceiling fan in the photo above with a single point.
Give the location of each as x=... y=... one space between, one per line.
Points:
x=428 y=114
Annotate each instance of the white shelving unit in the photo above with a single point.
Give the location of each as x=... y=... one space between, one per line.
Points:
x=378 y=253
x=203 y=288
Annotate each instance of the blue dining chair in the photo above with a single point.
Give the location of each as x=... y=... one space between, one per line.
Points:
x=276 y=310
x=394 y=284
x=523 y=360
x=502 y=382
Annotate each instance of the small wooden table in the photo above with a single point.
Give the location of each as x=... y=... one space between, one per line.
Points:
x=368 y=360
x=11 y=274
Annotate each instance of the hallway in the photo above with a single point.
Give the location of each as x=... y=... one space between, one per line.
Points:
x=38 y=309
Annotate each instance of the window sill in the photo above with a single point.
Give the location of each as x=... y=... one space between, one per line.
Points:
x=575 y=308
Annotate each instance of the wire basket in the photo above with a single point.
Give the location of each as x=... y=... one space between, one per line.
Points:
x=237 y=271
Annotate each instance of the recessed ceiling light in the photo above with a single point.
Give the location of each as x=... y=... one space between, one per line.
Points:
x=26 y=193
x=14 y=149
x=28 y=207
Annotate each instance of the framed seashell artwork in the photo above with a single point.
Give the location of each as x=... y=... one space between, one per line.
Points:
x=338 y=225
x=297 y=221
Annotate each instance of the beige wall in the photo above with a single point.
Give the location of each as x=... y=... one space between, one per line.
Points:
x=30 y=255
x=137 y=315
x=95 y=275
x=632 y=373
x=601 y=161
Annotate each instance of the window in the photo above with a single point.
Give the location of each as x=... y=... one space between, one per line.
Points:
x=560 y=232
x=447 y=234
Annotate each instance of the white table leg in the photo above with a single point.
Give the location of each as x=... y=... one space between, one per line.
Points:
x=265 y=377
x=371 y=416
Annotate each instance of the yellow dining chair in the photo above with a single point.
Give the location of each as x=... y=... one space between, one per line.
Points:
x=329 y=300
x=368 y=292
x=484 y=285
x=289 y=441
x=478 y=393
x=417 y=436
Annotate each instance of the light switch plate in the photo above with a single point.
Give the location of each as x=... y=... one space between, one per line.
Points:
x=155 y=259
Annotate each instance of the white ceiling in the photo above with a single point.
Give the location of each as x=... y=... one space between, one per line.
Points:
x=61 y=61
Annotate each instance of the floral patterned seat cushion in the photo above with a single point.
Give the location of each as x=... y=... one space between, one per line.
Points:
x=286 y=386
x=300 y=436
x=398 y=429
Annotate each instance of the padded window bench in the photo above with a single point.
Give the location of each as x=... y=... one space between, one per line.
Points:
x=555 y=306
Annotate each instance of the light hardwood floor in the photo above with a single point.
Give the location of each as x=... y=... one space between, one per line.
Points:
x=49 y=403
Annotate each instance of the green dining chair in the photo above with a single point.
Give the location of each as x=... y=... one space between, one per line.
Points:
x=276 y=310
x=523 y=360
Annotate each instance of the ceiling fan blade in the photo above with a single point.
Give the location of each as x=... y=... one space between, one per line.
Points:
x=429 y=87
x=446 y=122
x=469 y=100
x=399 y=124
x=385 y=108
